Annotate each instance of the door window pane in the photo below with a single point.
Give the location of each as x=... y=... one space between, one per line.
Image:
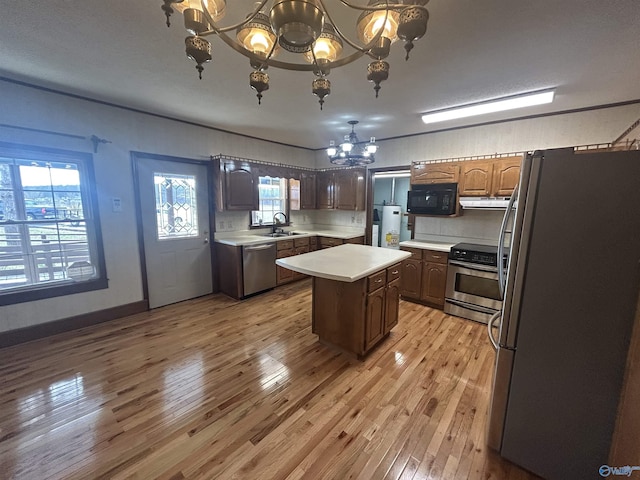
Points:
x=176 y=207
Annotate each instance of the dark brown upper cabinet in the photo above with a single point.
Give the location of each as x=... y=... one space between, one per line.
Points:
x=240 y=180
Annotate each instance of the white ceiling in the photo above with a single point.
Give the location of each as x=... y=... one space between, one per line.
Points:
x=122 y=52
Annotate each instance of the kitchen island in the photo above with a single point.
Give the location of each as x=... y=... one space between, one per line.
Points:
x=356 y=290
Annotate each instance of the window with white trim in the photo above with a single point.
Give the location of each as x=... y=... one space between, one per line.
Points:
x=49 y=234
x=272 y=194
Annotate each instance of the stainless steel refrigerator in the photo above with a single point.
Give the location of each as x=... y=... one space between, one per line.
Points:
x=570 y=292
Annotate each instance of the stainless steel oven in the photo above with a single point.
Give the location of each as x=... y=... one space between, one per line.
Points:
x=472 y=289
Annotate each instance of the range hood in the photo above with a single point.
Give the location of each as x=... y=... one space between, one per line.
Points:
x=485 y=203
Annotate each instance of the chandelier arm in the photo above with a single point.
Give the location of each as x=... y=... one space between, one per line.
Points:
x=354 y=45
x=218 y=30
x=388 y=6
x=300 y=67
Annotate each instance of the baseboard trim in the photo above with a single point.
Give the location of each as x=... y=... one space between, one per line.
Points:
x=35 y=332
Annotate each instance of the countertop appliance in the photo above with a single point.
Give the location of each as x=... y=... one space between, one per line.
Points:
x=570 y=297
x=472 y=289
x=258 y=267
x=437 y=199
x=391 y=220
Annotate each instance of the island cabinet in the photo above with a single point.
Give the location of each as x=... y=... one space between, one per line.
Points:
x=424 y=276
x=356 y=316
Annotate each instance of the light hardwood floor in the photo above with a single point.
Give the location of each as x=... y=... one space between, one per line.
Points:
x=220 y=389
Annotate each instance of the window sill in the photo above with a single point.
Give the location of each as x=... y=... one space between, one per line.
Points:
x=22 y=296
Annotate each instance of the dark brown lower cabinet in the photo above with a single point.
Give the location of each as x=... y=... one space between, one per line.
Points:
x=434 y=281
x=424 y=276
x=288 y=248
x=356 y=316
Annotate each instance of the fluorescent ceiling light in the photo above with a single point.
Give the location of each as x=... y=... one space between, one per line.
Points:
x=498 y=105
x=393 y=174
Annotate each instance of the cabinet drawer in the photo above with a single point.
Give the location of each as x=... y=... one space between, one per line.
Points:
x=377 y=280
x=393 y=272
x=313 y=240
x=416 y=253
x=330 y=242
x=301 y=250
x=284 y=253
x=434 y=256
x=285 y=244
x=301 y=242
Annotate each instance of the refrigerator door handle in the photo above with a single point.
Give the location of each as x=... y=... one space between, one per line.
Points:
x=503 y=232
x=491 y=326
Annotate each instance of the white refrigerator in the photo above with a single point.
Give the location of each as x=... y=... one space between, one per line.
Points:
x=570 y=295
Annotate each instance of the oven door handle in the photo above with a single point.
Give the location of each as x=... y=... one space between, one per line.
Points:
x=482 y=268
x=491 y=326
x=470 y=306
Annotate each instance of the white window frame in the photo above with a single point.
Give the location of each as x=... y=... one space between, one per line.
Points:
x=84 y=276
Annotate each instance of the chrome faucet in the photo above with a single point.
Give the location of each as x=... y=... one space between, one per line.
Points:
x=277 y=221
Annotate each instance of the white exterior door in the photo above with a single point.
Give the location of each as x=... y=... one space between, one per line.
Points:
x=175 y=223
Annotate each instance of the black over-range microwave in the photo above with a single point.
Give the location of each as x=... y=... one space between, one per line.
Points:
x=438 y=199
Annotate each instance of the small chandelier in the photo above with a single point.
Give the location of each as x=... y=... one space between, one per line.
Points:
x=352 y=152
x=304 y=29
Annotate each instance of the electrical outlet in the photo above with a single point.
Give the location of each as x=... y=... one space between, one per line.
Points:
x=230 y=225
x=221 y=224
x=353 y=219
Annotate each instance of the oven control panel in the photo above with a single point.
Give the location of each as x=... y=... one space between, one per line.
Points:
x=470 y=256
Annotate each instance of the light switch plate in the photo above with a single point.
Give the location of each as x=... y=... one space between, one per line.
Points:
x=116 y=204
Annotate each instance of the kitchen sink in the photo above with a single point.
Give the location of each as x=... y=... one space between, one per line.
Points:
x=277 y=235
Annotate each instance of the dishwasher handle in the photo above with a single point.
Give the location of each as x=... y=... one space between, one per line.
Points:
x=264 y=246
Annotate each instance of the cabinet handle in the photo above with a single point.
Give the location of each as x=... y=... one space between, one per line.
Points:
x=436 y=256
x=379 y=280
x=395 y=272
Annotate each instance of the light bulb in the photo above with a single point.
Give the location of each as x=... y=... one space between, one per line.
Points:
x=372 y=148
x=331 y=151
x=346 y=147
x=322 y=49
x=377 y=25
x=259 y=42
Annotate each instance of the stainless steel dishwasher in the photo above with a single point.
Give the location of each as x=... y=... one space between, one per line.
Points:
x=258 y=267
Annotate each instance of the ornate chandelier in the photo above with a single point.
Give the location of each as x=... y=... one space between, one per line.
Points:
x=302 y=29
x=352 y=152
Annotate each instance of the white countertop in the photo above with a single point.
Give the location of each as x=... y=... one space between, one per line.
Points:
x=252 y=239
x=345 y=263
x=438 y=246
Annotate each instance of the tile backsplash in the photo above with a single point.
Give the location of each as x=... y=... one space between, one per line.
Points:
x=237 y=221
x=479 y=226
